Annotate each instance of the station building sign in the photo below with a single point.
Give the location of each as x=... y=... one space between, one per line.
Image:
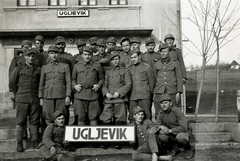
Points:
x=73 y=13
x=99 y=133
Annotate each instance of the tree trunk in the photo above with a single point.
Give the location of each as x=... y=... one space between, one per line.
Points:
x=217 y=88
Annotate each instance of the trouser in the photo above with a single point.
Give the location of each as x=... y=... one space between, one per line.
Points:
x=52 y=105
x=143 y=103
x=114 y=112
x=171 y=139
x=87 y=109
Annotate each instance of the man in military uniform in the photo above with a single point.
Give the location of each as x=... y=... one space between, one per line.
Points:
x=150 y=57
x=143 y=83
x=80 y=44
x=55 y=86
x=41 y=55
x=24 y=81
x=93 y=45
x=173 y=128
x=53 y=146
x=125 y=59
x=168 y=78
x=135 y=43
x=176 y=54
x=111 y=44
x=87 y=79
x=148 y=146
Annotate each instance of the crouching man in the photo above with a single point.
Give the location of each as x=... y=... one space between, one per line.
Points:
x=53 y=146
x=148 y=146
x=173 y=128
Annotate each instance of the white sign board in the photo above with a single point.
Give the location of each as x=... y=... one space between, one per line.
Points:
x=73 y=13
x=99 y=133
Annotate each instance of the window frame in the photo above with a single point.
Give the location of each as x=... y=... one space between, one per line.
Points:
x=58 y=3
x=27 y=4
x=118 y=2
x=88 y=3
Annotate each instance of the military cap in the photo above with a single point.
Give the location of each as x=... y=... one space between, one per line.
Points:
x=112 y=40
x=123 y=39
x=137 y=109
x=169 y=36
x=93 y=40
x=136 y=40
x=149 y=40
x=165 y=97
x=101 y=42
x=27 y=42
x=53 y=48
x=40 y=38
x=134 y=51
x=81 y=42
x=86 y=48
x=59 y=39
x=114 y=54
x=56 y=114
x=163 y=46
x=30 y=51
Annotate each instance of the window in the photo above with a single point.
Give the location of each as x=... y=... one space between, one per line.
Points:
x=87 y=2
x=26 y=2
x=57 y=3
x=118 y=2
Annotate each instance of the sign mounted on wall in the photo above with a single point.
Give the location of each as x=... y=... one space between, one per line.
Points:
x=73 y=13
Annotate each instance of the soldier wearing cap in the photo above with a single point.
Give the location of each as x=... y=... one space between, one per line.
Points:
x=63 y=56
x=143 y=84
x=135 y=43
x=176 y=54
x=125 y=59
x=172 y=127
x=148 y=146
x=24 y=82
x=87 y=80
x=93 y=45
x=55 y=86
x=41 y=55
x=53 y=146
x=150 y=56
x=80 y=44
x=111 y=44
x=168 y=78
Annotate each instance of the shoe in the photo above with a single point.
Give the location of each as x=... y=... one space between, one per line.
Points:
x=20 y=147
x=189 y=153
x=174 y=151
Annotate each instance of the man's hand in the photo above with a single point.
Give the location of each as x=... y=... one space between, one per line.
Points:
x=13 y=96
x=53 y=150
x=116 y=95
x=41 y=101
x=95 y=87
x=109 y=96
x=67 y=100
x=153 y=130
x=184 y=80
x=178 y=97
x=78 y=87
x=164 y=130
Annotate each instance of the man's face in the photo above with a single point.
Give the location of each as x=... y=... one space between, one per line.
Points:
x=115 y=61
x=60 y=120
x=111 y=46
x=139 y=117
x=94 y=47
x=150 y=47
x=135 y=46
x=61 y=46
x=80 y=48
x=29 y=58
x=165 y=105
x=101 y=49
x=169 y=42
x=24 y=47
x=53 y=55
x=164 y=53
x=39 y=44
x=126 y=46
x=135 y=58
x=87 y=57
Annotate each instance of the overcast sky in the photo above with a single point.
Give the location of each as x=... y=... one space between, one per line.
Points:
x=228 y=53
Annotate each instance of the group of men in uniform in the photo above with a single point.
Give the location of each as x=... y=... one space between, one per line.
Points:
x=100 y=81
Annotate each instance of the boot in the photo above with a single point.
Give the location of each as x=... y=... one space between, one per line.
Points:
x=34 y=136
x=188 y=151
x=174 y=150
x=19 y=138
x=25 y=134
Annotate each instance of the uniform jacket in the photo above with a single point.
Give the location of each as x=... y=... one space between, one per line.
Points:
x=150 y=58
x=117 y=80
x=168 y=77
x=87 y=74
x=55 y=81
x=105 y=65
x=174 y=119
x=24 y=81
x=125 y=60
x=142 y=81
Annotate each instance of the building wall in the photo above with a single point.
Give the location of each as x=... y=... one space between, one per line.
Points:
x=137 y=14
